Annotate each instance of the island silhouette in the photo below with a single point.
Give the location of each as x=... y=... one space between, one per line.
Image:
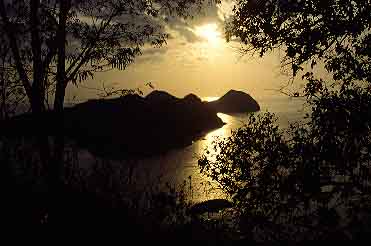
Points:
x=235 y=102
x=134 y=126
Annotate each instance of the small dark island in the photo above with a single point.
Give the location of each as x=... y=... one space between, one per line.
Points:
x=133 y=126
x=235 y=102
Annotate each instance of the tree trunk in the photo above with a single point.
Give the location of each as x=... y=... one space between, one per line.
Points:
x=37 y=87
x=61 y=83
x=3 y=89
x=15 y=51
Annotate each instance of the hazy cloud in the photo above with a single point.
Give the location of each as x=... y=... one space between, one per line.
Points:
x=210 y=13
x=182 y=31
x=151 y=54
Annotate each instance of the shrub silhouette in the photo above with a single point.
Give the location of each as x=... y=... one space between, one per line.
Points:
x=310 y=181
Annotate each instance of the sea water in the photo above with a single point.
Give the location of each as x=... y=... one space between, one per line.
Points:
x=180 y=166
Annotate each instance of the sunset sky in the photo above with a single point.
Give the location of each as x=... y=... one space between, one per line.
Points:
x=196 y=59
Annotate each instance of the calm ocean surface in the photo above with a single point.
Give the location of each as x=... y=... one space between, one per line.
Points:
x=180 y=165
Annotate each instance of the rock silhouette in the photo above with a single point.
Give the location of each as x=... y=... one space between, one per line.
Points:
x=235 y=102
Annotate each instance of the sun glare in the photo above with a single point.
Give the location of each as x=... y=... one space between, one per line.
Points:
x=209 y=32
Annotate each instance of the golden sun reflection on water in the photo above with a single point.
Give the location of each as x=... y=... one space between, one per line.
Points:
x=205 y=188
x=179 y=165
x=230 y=122
x=222 y=132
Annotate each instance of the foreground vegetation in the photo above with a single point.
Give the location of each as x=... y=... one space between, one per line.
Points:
x=308 y=182
x=105 y=198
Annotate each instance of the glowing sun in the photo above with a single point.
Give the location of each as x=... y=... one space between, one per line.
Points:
x=209 y=32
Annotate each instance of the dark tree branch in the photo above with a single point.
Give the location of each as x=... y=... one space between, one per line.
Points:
x=15 y=50
x=65 y=6
x=37 y=85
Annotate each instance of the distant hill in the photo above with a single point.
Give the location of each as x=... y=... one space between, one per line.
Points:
x=235 y=102
x=160 y=97
x=135 y=126
x=140 y=126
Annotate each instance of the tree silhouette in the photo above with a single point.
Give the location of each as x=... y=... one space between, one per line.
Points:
x=310 y=181
x=54 y=43
x=336 y=32
x=11 y=91
x=51 y=44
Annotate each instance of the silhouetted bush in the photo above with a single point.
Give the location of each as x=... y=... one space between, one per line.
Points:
x=102 y=198
x=308 y=182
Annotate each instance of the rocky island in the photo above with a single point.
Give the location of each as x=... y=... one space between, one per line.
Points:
x=135 y=126
x=235 y=102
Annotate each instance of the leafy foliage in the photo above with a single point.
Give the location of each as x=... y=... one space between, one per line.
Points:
x=308 y=182
x=53 y=43
x=12 y=94
x=336 y=32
